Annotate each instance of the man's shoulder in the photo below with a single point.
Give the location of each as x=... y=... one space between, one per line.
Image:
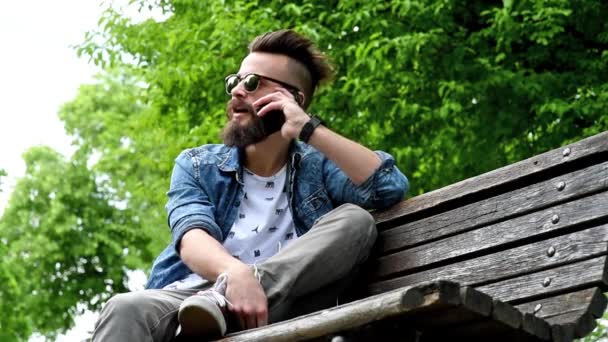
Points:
x=207 y=154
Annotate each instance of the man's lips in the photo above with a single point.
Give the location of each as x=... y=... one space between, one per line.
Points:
x=240 y=114
x=240 y=110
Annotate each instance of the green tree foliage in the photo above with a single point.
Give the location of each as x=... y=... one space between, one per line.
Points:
x=451 y=88
x=63 y=244
x=12 y=327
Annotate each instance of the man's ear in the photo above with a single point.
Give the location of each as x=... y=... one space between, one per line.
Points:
x=299 y=96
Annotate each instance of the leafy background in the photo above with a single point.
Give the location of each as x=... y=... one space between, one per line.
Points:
x=452 y=89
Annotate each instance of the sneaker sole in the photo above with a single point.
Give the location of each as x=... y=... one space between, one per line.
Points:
x=199 y=317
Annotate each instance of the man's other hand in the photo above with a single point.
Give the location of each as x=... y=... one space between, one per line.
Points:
x=249 y=302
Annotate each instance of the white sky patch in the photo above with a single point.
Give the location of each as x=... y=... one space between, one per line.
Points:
x=38 y=72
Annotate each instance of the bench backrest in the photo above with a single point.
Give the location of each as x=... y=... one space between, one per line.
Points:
x=533 y=234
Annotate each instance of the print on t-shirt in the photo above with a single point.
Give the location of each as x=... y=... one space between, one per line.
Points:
x=265 y=224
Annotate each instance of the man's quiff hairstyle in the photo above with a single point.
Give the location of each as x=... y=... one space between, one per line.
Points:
x=298 y=47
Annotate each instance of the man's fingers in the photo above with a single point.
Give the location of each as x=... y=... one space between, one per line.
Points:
x=251 y=321
x=249 y=303
x=240 y=316
x=269 y=107
x=266 y=99
x=278 y=95
x=285 y=92
x=242 y=320
x=262 y=317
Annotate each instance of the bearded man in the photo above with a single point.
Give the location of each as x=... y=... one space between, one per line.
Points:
x=274 y=215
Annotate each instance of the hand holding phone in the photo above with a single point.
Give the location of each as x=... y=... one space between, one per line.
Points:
x=273 y=120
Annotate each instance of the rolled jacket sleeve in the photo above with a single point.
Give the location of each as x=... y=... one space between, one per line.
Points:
x=189 y=206
x=384 y=188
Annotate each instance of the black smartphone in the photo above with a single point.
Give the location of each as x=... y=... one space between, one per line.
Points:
x=273 y=121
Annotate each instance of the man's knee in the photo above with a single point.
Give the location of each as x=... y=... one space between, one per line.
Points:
x=360 y=222
x=130 y=304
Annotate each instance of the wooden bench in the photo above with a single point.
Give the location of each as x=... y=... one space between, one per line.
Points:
x=516 y=254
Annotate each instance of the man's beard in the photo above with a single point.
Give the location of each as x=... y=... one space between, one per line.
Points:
x=235 y=134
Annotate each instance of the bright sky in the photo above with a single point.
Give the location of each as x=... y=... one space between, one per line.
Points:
x=38 y=72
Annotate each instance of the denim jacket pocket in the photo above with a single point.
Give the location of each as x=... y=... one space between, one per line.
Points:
x=316 y=205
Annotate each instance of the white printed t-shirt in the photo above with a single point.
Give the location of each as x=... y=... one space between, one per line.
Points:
x=264 y=223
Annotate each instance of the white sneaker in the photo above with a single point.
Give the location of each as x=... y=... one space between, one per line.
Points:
x=203 y=313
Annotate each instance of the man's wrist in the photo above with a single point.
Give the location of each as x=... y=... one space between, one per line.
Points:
x=309 y=128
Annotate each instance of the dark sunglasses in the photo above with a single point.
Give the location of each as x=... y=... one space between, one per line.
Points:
x=251 y=82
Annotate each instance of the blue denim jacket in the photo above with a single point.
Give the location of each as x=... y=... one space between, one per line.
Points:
x=207 y=188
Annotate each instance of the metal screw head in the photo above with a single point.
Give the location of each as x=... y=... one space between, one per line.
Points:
x=566 y=152
x=537 y=308
x=551 y=251
x=555 y=219
x=547 y=282
x=561 y=186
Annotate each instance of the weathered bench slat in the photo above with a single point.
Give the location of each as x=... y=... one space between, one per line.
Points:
x=585 y=302
x=498 y=321
x=592 y=300
x=549 y=282
x=563 y=332
x=525 y=259
x=536 y=326
x=500 y=234
x=582 y=323
x=480 y=307
x=336 y=319
x=498 y=208
x=487 y=331
x=533 y=324
x=576 y=314
x=417 y=307
x=488 y=182
x=577 y=311
x=502 y=323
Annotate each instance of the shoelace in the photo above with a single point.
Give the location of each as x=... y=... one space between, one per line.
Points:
x=256 y=273
x=219 y=298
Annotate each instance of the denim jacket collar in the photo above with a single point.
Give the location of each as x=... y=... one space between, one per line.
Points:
x=234 y=160
x=231 y=161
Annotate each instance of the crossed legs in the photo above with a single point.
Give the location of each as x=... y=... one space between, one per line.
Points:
x=337 y=243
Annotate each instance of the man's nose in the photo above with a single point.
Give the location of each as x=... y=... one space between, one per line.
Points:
x=238 y=91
